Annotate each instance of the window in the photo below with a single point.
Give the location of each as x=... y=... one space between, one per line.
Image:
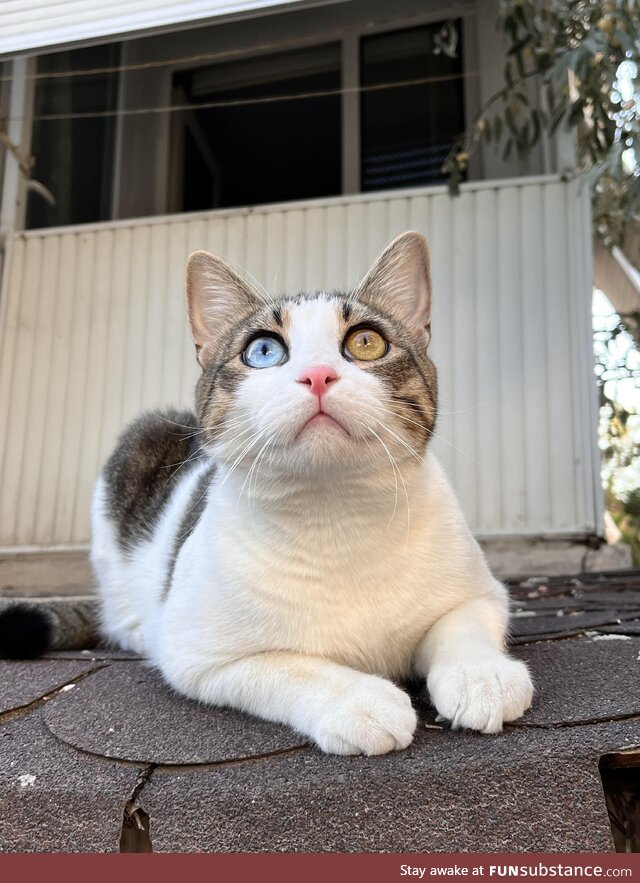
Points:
x=243 y=150
x=407 y=131
x=74 y=157
x=261 y=129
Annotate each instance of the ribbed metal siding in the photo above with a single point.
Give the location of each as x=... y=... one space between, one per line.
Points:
x=93 y=330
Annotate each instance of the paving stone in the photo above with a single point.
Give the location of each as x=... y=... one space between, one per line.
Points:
x=582 y=584
x=623 y=628
x=581 y=602
x=23 y=682
x=536 y=787
x=550 y=606
x=128 y=712
x=584 y=679
x=531 y=590
x=619 y=598
x=528 y=790
x=54 y=799
x=93 y=655
x=539 y=627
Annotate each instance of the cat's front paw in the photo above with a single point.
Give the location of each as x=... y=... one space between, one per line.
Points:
x=371 y=717
x=482 y=693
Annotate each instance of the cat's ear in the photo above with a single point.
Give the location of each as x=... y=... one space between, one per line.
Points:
x=399 y=281
x=216 y=298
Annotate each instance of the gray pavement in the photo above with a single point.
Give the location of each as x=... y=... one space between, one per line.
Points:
x=93 y=742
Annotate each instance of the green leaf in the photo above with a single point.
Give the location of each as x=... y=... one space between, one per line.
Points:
x=508 y=74
x=510 y=121
x=625 y=41
x=576 y=112
x=557 y=116
x=570 y=52
x=454 y=180
x=535 y=123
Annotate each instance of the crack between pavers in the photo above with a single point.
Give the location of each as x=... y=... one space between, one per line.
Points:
x=135 y=830
x=612 y=719
x=135 y=833
x=117 y=761
x=178 y=767
x=589 y=632
x=169 y=768
x=21 y=710
x=111 y=660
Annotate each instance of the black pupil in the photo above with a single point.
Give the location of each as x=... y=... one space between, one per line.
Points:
x=265 y=349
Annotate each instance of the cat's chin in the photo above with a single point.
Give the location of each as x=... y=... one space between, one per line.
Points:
x=321 y=445
x=322 y=423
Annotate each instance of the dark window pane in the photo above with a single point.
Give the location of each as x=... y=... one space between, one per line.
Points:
x=407 y=130
x=253 y=153
x=74 y=157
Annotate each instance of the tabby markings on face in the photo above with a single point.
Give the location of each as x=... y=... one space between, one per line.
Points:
x=374 y=360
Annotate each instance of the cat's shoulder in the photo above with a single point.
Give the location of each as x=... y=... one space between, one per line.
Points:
x=141 y=473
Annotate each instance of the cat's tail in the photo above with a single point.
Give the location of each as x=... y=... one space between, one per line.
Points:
x=29 y=628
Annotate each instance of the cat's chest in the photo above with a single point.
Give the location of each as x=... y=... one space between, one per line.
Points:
x=311 y=558
x=321 y=593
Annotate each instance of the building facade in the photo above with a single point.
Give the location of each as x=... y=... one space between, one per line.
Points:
x=295 y=140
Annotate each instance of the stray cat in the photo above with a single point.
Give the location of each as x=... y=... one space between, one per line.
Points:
x=296 y=548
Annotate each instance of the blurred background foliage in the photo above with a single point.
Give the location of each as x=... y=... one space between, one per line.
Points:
x=573 y=65
x=618 y=372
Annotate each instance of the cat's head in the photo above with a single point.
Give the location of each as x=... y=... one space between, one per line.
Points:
x=316 y=381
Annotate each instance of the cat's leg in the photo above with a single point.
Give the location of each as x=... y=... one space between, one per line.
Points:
x=471 y=680
x=119 y=616
x=343 y=711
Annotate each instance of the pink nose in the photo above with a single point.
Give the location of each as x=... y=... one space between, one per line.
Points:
x=318 y=379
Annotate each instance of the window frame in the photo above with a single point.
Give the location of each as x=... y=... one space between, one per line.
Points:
x=351 y=135
x=350 y=40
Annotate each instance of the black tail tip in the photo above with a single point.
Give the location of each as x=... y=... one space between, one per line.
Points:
x=25 y=632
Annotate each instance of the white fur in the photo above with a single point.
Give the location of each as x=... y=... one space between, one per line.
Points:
x=319 y=570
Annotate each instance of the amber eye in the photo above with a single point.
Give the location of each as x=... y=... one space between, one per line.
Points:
x=365 y=344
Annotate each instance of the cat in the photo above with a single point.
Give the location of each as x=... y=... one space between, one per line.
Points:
x=295 y=550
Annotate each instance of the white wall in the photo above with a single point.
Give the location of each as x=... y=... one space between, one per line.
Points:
x=92 y=330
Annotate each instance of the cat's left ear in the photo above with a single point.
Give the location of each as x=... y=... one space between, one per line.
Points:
x=399 y=281
x=216 y=298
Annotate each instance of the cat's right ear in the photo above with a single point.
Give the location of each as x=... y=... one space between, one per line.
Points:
x=216 y=298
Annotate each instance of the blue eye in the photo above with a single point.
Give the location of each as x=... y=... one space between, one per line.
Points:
x=265 y=352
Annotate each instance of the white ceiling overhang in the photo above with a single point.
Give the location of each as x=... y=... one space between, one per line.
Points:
x=31 y=26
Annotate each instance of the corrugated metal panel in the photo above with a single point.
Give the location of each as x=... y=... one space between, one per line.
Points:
x=27 y=25
x=93 y=329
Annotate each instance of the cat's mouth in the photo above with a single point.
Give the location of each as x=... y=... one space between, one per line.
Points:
x=322 y=420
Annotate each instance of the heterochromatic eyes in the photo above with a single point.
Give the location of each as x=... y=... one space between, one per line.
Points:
x=265 y=352
x=366 y=345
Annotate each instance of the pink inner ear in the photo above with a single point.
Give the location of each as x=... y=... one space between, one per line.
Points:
x=399 y=280
x=216 y=295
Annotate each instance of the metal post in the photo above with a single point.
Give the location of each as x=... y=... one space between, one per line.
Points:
x=14 y=191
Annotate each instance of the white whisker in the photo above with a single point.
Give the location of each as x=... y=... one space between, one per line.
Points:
x=431 y=433
x=393 y=467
